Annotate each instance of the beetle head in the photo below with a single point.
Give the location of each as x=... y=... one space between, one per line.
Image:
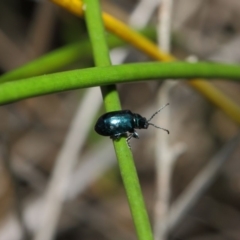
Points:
x=140 y=122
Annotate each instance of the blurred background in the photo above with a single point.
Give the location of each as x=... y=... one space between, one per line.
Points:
x=59 y=180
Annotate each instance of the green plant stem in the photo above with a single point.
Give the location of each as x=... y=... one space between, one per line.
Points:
x=91 y=77
x=96 y=31
x=56 y=60
x=101 y=56
x=63 y=57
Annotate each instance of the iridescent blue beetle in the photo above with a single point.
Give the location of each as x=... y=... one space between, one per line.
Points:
x=123 y=123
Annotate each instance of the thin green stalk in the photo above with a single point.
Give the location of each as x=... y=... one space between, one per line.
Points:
x=48 y=63
x=101 y=56
x=96 y=30
x=63 y=57
x=102 y=76
x=56 y=59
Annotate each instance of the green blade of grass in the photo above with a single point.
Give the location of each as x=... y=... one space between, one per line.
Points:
x=63 y=57
x=96 y=30
x=102 y=76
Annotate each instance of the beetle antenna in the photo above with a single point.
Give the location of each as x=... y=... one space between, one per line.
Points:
x=157 y=112
x=159 y=128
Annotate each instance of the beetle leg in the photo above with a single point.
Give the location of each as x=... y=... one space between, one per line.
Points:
x=116 y=136
x=135 y=135
x=128 y=139
x=131 y=135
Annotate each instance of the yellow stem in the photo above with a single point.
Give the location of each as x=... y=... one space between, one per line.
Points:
x=124 y=32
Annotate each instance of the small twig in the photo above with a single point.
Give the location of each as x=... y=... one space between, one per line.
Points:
x=200 y=183
x=93 y=165
x=164 y=26
x=65 y=163
x=166 y=155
